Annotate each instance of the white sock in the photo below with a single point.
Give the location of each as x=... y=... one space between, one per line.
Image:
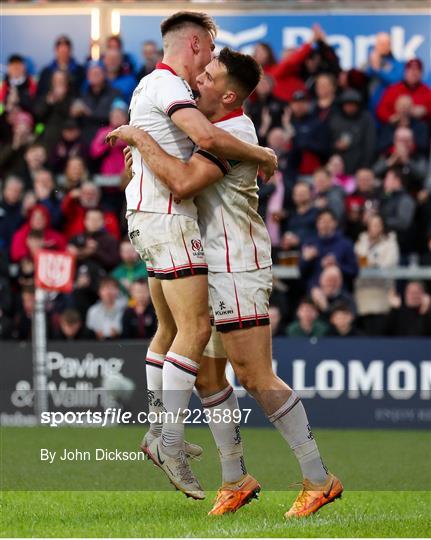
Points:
x=292 y=422
x=154 y=371
x=179 y=376
x=226 y=433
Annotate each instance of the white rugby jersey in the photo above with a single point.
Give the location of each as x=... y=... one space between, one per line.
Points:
x=155 y=99
x=234 y=235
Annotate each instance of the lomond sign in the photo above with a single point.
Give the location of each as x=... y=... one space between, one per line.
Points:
x=384 y=383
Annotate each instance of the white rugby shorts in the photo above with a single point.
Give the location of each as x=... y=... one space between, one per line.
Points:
x=237 y=300
x=170 y=244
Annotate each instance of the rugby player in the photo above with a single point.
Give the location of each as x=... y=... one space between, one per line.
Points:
x=164 y=230
x=238 y=250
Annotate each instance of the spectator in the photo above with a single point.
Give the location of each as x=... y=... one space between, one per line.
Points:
x=329 y=248
x=34 y=160
x=330 y=291
x=77 y=202
x=69 y=145
x=52 y=109
x=326 y=195
x=398 y=209
x=403 y=117
x=278 y=140
x=131 y=268
x=95 y=245
x=383 y=68
x=265 y=110
x=12 y=154
x=75 y=174
x=105 y=317
x=362 y=203
x=71 y=327
x=342 y=321
x=112 y=157
x=24 y=315
x=310 y=141
x=45 y=193
x=125 y=83
x=6 y=308
x=11 y=217
x=38 y=221
x=404 y=156
x=412 y=86
x=85 y=288
x=115 y=43
x=150 y=55
x=353 y=133
x=300 y=224
x=336 y=168
x=326 y=91
x=275 y=318
x=275 y=212
x=308 y=323
x=18 y=88
x=139 y=319
x=413 y=317
x=92 y=109
x=65 y=62
x=376 y=249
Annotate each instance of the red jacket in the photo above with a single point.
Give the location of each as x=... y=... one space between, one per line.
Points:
x=420 y=94
x=286 y=73
x=74 y=214
x=51 y=238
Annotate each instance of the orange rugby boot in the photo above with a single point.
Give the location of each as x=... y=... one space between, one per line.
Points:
x=312 y=497
x=230 y=497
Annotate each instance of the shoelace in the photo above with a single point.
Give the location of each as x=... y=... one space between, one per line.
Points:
x=185 y=471
x=301 y=500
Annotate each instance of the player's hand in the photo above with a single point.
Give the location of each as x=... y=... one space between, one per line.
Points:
x=124 y=133
x=268 y=168
x=128 y=161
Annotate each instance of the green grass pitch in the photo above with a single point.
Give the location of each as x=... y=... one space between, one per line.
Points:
x=387 y=476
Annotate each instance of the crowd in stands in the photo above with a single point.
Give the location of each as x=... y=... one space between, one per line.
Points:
x=353 y=189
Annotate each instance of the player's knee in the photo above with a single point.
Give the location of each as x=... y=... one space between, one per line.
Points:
x=165 y=335
x=247 y=380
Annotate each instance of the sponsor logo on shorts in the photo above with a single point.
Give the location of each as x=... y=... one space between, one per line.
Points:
x=223 y=310
x=133 y=234
x=198 y=250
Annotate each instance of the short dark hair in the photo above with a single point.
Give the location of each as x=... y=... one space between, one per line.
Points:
x=108 y=280
x=15 y=58
x=183 y=18
x=71 y=316
x=242 y=70
x=341 y=305
x=327 y=211
x=307 y=301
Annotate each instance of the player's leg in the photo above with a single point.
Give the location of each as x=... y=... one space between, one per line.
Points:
x=221 y=405
x=250 y=352
x=188 y=301
x=223 y=414
x=159 y=346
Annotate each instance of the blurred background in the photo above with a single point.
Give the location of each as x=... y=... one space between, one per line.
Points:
x=345 y=102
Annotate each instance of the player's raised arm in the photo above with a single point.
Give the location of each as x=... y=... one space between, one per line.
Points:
x=183 y=179
x=222 y=144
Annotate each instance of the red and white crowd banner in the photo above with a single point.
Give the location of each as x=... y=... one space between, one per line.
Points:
x=54 y=270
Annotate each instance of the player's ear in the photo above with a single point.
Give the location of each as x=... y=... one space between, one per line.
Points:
x=230 y=97
x=195 y=44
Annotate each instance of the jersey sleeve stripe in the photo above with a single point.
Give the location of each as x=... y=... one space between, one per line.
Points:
x=177 y=105
x=221 y=164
